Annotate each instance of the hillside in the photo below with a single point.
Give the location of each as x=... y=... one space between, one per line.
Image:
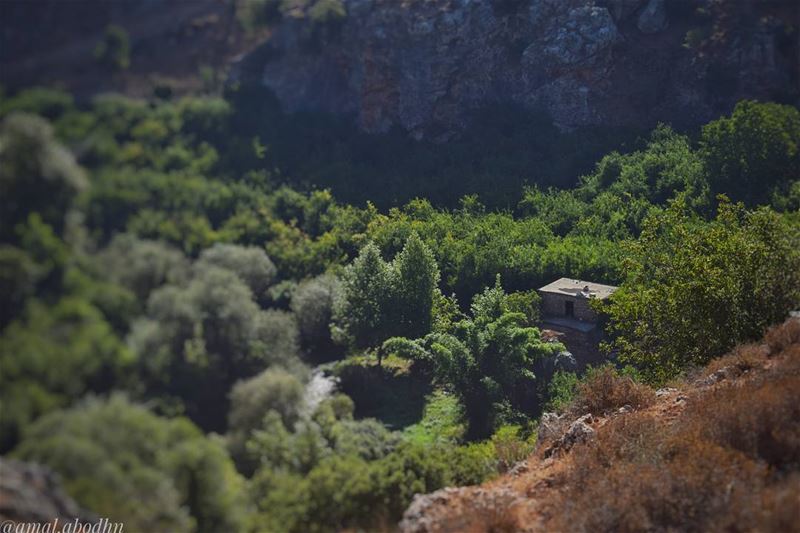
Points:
x=719 y=451
x=303 y=266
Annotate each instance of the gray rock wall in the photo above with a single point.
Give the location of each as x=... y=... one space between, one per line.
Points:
x=425 y=64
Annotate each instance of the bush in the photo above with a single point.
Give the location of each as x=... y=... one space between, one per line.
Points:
x=509 y=446
x=561 y=391
x=37 y=174
x=255 y=14
x=695 y=290
x=196 y=341
x=752 y=152
x=250 y=264
x=784 y=335
x=604 y=389
x=724 y=464
x=52 y=355
x=312 y=304
x=327 y=12
x=526 y=303
x=273 y=390
x=141 y=265
x=19 y=275
x=47 y=103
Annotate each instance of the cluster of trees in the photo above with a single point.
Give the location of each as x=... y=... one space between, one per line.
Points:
x=489 y=359
x=154 y=254
x=695 y=289
x=380 y=300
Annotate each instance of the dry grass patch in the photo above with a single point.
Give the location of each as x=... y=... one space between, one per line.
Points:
x=780 y=337
x=731 y=462
x=606 y=390
x=741 y=360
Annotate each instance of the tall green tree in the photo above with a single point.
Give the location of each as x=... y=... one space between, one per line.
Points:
x=416 y=279
x=489 y=360
x=362 y=312
x=753 y=152
x=380 y=300
x=37 y=174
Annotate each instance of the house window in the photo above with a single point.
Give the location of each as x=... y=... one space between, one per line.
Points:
x=569 y=309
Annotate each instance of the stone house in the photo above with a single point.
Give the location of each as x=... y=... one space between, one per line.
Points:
x=569 y=298
x=567 y=316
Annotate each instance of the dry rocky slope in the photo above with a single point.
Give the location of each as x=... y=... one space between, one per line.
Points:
x=717 y=452
x=424 y=65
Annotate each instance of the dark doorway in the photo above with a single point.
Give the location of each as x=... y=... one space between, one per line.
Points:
x=569 y=309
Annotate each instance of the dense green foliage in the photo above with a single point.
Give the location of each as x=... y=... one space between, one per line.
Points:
x=488 y=359
x=153 y=474
x=187 y=254
x=754 y=155
x=694 y=290
x=380 y=299
x=36 y=175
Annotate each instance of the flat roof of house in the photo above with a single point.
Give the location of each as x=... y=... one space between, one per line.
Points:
x=575 y=287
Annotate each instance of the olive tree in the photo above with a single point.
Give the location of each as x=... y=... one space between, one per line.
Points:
x=250 y=263
x=197 y=340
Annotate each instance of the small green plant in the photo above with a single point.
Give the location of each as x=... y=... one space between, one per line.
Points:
x=510 y=446
x=327 y=11
x=561 y=390
x=604 y=389
x=114 y=49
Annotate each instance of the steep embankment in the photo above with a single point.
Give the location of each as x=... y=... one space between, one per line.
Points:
x=717 y=452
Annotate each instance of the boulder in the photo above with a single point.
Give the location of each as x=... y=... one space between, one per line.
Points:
x=579 y=432
x=549 y=426
x=653 y=17
x=32 y=493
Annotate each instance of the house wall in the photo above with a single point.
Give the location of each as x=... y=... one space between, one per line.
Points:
x=553 y=305
x=584 y=346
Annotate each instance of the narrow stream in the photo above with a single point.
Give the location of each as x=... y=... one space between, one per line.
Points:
x=319 y=387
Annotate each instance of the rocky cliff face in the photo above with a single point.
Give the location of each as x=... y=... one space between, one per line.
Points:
x=424 y=64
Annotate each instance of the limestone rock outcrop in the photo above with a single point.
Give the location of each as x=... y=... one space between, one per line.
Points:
x=424 y=65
